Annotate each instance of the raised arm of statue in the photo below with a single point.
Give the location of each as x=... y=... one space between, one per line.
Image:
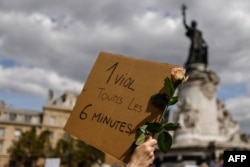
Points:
x=184 y=16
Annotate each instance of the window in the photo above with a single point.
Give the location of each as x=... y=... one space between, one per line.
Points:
x=35 y=119
x=1 y=132
x=17 y=133
x=4 y=116
x=1 y=146
x=27 y=118
x=12 y=116
x=20 y=117
x=52 y=120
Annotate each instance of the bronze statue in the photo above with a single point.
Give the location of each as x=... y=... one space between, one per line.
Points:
x=198 y=48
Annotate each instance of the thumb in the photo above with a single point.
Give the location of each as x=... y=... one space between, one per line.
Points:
x=151 y=140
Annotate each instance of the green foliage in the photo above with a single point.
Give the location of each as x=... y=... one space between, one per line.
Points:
x=159 y=100
x=163 y=101
x=169 y=87
x=65 y=149
x=173 y=100
x=171 y=126
x=164 y=141
x=141 y=134
x=154 y=127
x=31 y=146
x=87 y=154
x=72 y=150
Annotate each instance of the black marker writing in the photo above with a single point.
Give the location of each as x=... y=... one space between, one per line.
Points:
x=115 y=124
x=104 y=95
x=134 y=106
x=83 y=114
x=120 y=79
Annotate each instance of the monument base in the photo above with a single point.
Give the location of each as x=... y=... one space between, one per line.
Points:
x=196 y=154
x=207 y=128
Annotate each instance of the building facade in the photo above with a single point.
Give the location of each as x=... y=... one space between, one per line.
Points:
x=53 y=117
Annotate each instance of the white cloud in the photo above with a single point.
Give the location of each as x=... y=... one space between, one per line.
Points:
x=35 y=81
x=155 y=24
x=234 y=77
x=239 y=108
x=61 y=42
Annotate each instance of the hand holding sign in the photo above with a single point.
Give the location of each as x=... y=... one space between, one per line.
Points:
x=143 y=154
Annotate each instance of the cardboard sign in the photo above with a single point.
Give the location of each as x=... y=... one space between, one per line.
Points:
x=115 y=101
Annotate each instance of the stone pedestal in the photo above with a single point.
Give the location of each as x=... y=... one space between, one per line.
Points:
x=203 y=118
x=207 y=128
x=198 y=108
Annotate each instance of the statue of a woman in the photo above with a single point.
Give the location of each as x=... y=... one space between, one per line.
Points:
x=198 y=48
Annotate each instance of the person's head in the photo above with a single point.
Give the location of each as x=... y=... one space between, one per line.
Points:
x=194 y=24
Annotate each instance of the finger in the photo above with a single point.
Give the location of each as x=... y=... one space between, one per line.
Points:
x=151 y=155
x=149 y=137
x=152 y=142
x=152 y=159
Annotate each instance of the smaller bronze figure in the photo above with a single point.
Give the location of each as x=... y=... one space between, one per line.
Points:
x=198 y=48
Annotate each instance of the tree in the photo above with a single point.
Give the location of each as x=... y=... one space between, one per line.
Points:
x=65 y=149
x=73 y=150
x=88 y=155
x=30 y=147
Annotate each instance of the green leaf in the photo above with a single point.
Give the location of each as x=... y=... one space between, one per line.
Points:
x=159 y=100
x=142 y=129
x=171 y=126
x=140 y=139
x=173 y=100
x=154 y=127
x=164 y=141
x=169 y=87
x=138 y=132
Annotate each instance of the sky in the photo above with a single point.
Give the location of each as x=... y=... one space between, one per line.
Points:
x=52 y=44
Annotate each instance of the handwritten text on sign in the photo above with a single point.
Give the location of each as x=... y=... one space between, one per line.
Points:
x=119 y=80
